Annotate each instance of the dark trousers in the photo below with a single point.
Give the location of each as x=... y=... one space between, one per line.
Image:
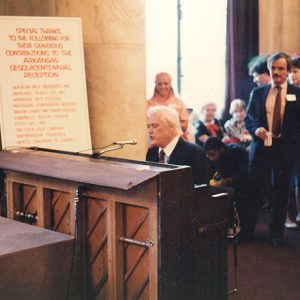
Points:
x=272 y=161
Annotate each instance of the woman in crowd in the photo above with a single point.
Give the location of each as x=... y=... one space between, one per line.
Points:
x=208 y=125
x=235 y=127
x=164 y=95
x=294 y=76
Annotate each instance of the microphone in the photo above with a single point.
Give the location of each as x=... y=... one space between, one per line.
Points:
x=130 y=142
x=116 y=146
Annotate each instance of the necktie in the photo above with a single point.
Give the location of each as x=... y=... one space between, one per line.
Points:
x=162 y=156
x=276 y=127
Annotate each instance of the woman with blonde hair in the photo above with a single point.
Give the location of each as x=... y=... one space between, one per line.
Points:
x=164 y=95
x=235 y=127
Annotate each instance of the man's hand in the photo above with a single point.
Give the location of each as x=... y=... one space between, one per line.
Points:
x=261 y=133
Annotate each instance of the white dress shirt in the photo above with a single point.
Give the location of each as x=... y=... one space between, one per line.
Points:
x=169 y=148
x=270 y=103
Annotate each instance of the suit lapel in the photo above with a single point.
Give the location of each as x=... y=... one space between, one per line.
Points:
x=263 y=107
x=153 y=154
x=173 y=159
x=287 y=110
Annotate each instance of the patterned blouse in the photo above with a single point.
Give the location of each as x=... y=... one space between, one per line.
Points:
x=237 y=132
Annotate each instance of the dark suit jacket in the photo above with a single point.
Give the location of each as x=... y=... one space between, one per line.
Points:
x=187 y=154
x=256 y=117
x=234 y=164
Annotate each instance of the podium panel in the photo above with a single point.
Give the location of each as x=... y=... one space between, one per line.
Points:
x=142 y=230
x=35 y=262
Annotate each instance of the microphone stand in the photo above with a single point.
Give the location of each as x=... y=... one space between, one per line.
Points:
x=93 y=149
x=98 y=154
x=111 y=147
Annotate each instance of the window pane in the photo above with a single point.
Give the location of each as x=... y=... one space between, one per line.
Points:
x=203 y=42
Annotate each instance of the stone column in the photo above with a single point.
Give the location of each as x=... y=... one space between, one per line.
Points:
x=279 y=26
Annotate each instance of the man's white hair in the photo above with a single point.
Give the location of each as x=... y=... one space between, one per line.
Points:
x=168 y=115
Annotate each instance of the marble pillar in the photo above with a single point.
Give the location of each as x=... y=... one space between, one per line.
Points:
x=279 y=26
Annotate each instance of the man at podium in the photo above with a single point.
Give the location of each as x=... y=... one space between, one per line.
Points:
x=168 y=147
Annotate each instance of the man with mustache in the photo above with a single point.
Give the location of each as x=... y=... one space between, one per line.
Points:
x=273 y=120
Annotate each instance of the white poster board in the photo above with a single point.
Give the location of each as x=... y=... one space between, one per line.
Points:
x=43 y=98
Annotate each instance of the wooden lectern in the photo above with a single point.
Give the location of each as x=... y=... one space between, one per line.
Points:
x=143 y=230
x=35 y=263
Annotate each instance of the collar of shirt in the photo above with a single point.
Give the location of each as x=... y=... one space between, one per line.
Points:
x=274 y=91
x=170 y=147
x=283 y=86
x=270 y=102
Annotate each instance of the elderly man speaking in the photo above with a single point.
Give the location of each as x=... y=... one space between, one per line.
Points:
x=168 y=147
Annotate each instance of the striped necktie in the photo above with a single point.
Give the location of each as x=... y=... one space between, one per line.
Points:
x=162 y=156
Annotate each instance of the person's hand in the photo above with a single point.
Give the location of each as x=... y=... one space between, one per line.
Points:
x=261 y=133
x=247 y=138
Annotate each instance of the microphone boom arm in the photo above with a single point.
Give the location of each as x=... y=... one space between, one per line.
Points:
x=98 y=154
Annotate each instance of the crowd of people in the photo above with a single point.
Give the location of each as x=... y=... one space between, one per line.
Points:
x=254 y=154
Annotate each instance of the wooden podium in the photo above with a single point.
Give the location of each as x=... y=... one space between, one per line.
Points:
x=143 y=230
x=35 y=262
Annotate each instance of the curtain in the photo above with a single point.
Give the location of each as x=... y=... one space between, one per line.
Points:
x=241 y=46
